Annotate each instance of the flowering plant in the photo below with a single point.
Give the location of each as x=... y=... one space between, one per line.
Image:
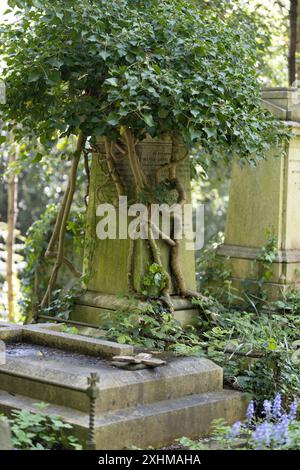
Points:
x=275 y=429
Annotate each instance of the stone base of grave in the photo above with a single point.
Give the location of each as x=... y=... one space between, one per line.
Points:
x=101 y=309
x=247 y=271
x=149 y=407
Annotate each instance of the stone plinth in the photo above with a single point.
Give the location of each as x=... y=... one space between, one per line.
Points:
x=263 y=199
x=106 y=261
x=141 y=408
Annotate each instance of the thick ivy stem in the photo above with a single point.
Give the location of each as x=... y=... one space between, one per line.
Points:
x=175 y=244
x=66 y=262
x=136 y=168
x=157 y=259
x=63 y=217
x=172 y=165
x=112 y=169
x=55 y=233
x=162 y=235
x=114 y=149
x=88 y=176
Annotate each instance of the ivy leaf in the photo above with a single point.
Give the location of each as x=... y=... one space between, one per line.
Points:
x=34 y=77
x=148 y=118
x=113 y=119
x=112 y=81
x=104 y=54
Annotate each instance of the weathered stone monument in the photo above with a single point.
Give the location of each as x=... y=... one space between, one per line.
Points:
x=266 y=199
x=106 y=261
x=142 y=408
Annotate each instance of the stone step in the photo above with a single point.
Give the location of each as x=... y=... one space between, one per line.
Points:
x=62 y=380
x=157 y=424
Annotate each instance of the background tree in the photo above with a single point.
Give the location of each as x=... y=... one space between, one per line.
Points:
x=293 y=26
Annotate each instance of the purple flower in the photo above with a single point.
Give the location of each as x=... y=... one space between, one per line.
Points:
x=280 y=432
x=293 y=410
x=235 y=430
x=267 y=409
x=250 y=411
x=276 y=408
x=262 y=436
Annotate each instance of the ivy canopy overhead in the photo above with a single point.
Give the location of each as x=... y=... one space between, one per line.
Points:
x=154 y=66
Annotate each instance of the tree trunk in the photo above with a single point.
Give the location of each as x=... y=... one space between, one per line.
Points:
x=11 y=224
x=293 y=41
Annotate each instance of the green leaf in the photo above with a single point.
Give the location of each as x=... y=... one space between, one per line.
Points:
x=148 y=120
x=112 y=81
x=104 y=54
x=113 y=119
x=272 y=344
x=34 y=77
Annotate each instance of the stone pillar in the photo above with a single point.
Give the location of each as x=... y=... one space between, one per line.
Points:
x=267 y=198
x=106 y=261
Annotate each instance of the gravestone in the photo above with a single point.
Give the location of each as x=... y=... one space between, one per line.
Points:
x=106 y=261
x=264 y=201
x=5 y=436
x=133 y=408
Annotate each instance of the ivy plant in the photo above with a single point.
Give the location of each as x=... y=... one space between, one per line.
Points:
x=155 y=66
x=39 y=431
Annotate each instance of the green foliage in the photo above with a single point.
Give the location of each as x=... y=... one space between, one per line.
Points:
x=155 y=66
x=258 y=349
x=38 y=431
x=270 y=20
x=214 y=273
x=190 y=444
x=231 y=336
x=62 y=303
x=34 y=276
x=41 y=177
x=72 y=330
x=275 y=428
x=154 y=328
x=162 y=193
x=36 y=272
x=155 y=280
x=267 y=257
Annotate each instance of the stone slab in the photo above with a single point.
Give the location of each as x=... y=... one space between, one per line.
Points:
x=50 y=335
x=51 y=376
x=76 y=343
x=152 y=425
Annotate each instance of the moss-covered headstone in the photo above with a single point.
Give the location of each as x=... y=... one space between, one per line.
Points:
x=106 y=260
x=264 y=211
